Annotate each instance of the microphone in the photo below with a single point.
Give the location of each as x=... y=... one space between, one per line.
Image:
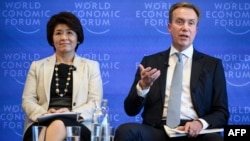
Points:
x=166 y=64
x=73 y=68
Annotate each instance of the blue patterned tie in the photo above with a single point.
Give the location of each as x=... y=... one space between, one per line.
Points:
x=174 y=103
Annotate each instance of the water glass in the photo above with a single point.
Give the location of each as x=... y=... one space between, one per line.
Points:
x=73 y=133
x=96 y=132
x=111 y=133
x=38 y=133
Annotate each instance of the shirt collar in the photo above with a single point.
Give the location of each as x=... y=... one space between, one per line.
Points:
x=187 y=52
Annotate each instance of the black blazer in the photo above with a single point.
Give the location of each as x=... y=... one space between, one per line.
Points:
x=207 y=86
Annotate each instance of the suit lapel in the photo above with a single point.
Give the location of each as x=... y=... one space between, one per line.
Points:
x=77 y=74
x=163 y=66
x=48 y=74
x=196 y=69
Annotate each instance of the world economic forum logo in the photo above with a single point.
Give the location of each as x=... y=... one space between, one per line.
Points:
x=236 y=68
x=12 y=117
x=24 y=16
x=16 y=64
x=106 y=62
x=154 y=15
x=234 y=17
x=96 y=17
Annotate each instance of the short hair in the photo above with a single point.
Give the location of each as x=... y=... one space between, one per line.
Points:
x=186 y=5
x=65 y=18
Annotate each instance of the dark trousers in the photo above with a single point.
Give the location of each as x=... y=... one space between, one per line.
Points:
x=143 y=132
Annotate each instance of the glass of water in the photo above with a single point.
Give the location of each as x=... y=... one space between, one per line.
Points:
x=73 y=133
x=38 y=133
x=96 y=132
x=111 y=133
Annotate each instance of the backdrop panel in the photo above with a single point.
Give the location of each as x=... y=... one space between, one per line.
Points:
x=118 y=33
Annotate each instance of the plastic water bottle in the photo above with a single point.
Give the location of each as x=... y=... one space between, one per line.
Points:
x=97 y=118
x=105 y=121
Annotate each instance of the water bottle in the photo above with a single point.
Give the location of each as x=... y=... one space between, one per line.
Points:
x=97 y=118
x=105 y=121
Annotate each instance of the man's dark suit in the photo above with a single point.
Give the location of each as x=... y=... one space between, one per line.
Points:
x=207 y=85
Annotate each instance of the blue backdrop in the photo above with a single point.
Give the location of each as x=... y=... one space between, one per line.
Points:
x=118 y=33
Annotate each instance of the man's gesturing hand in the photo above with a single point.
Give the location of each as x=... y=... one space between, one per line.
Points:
x=148 y=76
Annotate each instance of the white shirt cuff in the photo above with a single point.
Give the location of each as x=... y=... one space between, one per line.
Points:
x=141 y=92
x=204 y=123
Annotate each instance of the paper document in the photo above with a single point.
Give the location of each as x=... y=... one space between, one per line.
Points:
x=172 y=132
x=72 y=115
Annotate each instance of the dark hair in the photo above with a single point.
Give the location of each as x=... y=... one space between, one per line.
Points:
x=65 y=18
x=183 y=4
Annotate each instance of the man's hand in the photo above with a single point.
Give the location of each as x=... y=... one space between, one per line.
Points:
x=192 y=129
x=148 y=76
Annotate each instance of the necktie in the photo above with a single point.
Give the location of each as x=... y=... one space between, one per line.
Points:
x=174 y=103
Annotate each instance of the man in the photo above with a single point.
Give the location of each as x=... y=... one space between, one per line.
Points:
x=204 y=101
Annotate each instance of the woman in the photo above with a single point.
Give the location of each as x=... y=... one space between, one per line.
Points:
x=62 y=82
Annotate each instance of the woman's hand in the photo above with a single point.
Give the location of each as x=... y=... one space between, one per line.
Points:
x=52 y=110
x=61 y=110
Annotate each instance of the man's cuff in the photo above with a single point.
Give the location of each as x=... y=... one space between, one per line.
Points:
x=204 y=123
x=141 y=92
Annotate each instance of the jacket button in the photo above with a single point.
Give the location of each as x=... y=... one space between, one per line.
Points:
x=74 y=104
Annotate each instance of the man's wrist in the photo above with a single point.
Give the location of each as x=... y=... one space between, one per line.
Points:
x=142 y=85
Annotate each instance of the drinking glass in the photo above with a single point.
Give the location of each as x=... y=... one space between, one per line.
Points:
x=96 y=132
x=111 y=133
x=73 y=133
x=38 y=133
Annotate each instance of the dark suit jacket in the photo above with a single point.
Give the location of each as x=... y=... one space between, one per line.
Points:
x=207 y=86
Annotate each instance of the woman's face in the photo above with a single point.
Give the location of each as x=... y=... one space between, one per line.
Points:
x=64 y=39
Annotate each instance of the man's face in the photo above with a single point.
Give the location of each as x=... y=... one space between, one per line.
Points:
x=183 y=27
